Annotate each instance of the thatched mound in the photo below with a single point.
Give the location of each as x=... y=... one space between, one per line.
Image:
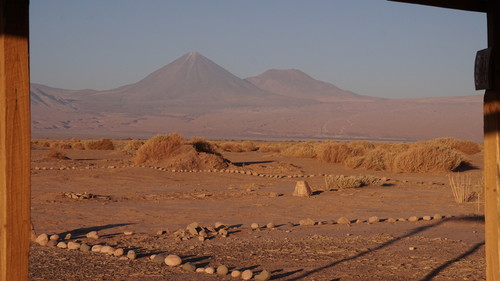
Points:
x=172 y=152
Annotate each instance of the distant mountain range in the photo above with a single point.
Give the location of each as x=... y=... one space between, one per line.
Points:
x=196 y=97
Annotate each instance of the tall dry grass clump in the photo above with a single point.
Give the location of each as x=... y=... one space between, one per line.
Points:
x=132 y=146
x=381 y=158
x=464 y=189
x=57 y=154
x=202 y=145
x=422 y=158
x=301 y=150
x=336 y=152
x=234 y=146
x=102 y=144
x=341 y=181
x=158 y=148
x=465 y=146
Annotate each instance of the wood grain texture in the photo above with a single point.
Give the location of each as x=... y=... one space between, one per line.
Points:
x=492 y=151
x=14 y=141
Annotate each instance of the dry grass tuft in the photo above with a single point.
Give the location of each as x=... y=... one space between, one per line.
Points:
x=57 y=154
x=336 y=152
x=422 y=158
x=467 y=147
x=301 y=150
x=132 y=146
x=202 y=145
x=464 y=190
x=158 y=148
x=341 y=181
x=102 y=144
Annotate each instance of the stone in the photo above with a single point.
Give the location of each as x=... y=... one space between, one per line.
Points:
x=73 y=245
x=222 y=270
x=118 y=252
x=52 y=243
x=200 y=270
x=290 y=224
x=255 y=226
x=128 y=232
x=131 y=255
x=67 y=237
x=437 y=217
x=263 y=276
x=54 y=237
x=106 y=249
x=236 y=273
x=412 y=248
x=62 y=245
x=302 y=189
x=343 y=220
x=96 y=248
x=84 y=247
x=209 y=270
x=360 y=221
x=402 y=219
x=158 y=258
x=270 y=225
x=42 y=239
x=193 y=228
x=247 y=274
x=306 y=222
x=373 y=219
x=413 y=219
x=93 y=235
x=160 y=232
x=426 y=218
x=223 y=232
x=173 y=260
x=391 y=220
x=189 y=267
x=219 y=225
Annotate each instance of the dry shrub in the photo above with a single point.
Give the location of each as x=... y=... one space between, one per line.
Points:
x=233 y=146
x=202 y=145
x=132 y=146
x=467 y=147
x=158 y=148
x=57 y=154
x=102 y=144
x=464 y=190
x=336 y=152
x=78 y=146
x=301 y=150
x=421 y=158
x=341 y=181
x=275 y=147
x=381 y=158
x=46 y=144
x=169 y=151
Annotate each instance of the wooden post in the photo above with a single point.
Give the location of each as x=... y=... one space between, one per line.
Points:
x=492 y=149
x=14 y=140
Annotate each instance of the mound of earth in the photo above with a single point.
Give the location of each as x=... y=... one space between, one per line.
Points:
x=186 y=157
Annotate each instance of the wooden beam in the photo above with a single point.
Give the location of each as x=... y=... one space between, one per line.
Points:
x=492 y=150
x=466 y=5
x=14 y=140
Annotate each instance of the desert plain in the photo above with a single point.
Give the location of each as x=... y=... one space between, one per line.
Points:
x=403 y=226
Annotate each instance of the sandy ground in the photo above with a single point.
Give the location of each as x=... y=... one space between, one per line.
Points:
x=144 y=200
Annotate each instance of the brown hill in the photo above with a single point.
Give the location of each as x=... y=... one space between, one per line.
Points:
x=295 y=83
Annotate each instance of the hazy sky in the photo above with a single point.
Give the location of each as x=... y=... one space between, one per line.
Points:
x=371 y=47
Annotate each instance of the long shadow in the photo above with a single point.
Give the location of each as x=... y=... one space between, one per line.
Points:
x=241 y=164
x=361 y=254
x=440 y=268
x=79 y=232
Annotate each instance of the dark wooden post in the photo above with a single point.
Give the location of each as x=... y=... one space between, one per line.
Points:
x=14 y=141
x=492 y=148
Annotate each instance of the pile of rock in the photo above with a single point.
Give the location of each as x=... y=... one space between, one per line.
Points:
x=203 y=233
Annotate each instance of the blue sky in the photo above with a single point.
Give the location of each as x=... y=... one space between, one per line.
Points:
x=371 y=47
